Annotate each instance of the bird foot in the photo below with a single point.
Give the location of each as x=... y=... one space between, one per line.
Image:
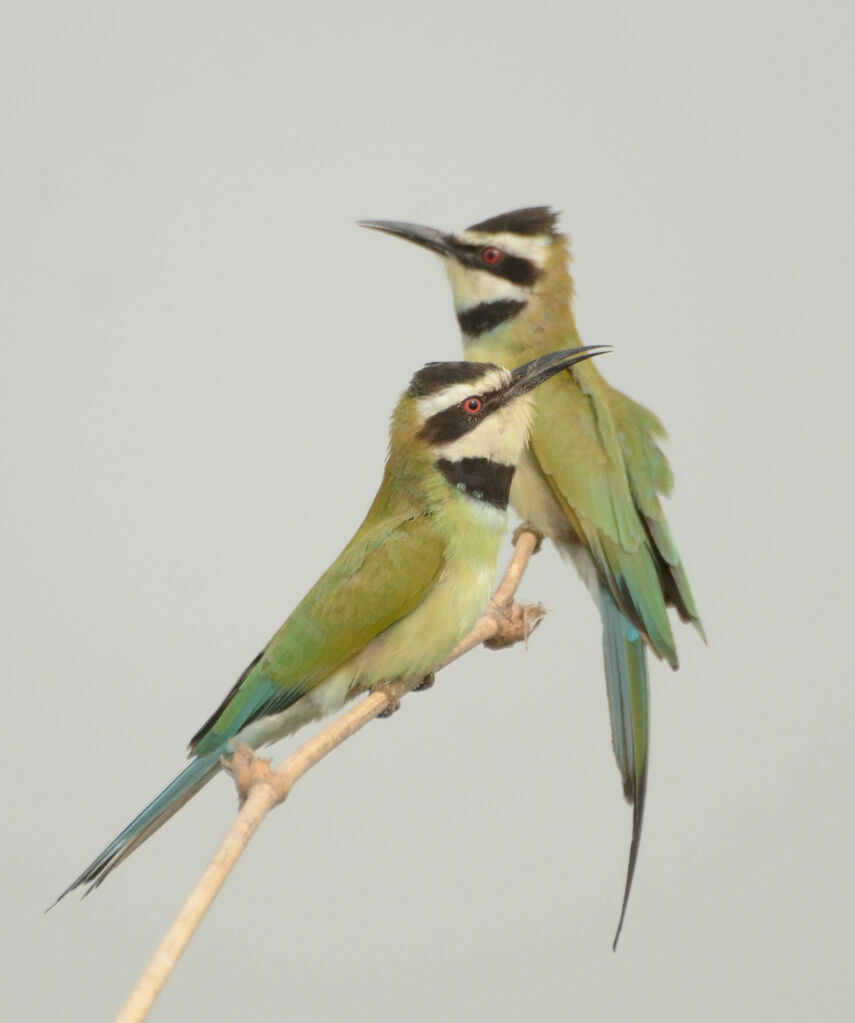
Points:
x=390 y=708
x=515 y=623
x=526 y=527
x=425 y=683
x=391 y=691
x=246 y=768
x=393 y=702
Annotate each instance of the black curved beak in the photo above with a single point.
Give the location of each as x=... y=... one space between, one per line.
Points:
x=525 y=378
x=427 y=237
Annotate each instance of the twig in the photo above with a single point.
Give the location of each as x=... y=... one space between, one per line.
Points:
x=502 y=624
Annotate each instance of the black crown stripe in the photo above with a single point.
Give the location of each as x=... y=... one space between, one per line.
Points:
x=436 y=376
x=528 y=221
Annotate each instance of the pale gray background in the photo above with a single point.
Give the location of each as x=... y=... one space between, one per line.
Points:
x=200 y=353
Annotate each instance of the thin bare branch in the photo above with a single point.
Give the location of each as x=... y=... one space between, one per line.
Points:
x=502 y=624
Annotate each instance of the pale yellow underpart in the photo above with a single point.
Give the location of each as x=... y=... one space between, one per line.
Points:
x=415 y=645
x=535 y=503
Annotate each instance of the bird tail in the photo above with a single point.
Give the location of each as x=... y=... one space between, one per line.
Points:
x=194 y=777
x=629 y=706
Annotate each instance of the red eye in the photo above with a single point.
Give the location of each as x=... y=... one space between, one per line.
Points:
x=491 y=255
x=472 y=406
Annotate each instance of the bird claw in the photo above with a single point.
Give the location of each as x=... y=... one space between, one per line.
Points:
x=515 y=623
x=246 y=768
x=425 y=683
x=390 y=708
x=393 y=702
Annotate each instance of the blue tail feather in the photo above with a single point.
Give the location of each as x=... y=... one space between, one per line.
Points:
x=629 y=706
x=194 y=777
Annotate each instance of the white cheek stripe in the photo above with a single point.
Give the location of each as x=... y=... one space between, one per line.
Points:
x=493 y=380
x=473 y=287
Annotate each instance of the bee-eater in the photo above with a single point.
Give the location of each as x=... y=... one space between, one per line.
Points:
x=593 y=471
x=411 y=583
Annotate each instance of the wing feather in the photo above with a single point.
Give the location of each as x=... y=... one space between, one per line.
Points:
x=379 y=578
x=614 y=506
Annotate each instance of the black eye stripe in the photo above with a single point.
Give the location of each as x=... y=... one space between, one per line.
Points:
x=454 y=422
x=512 y=268
x=448 y=425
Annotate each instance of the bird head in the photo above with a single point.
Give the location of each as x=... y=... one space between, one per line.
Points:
x=498 y=268
x=472 y=418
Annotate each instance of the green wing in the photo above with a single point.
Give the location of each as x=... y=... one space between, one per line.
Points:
x=382 y=575
x=597 y=449
x=650 y=475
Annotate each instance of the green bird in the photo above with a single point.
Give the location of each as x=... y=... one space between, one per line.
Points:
x=592 y=475
x=410 y=584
